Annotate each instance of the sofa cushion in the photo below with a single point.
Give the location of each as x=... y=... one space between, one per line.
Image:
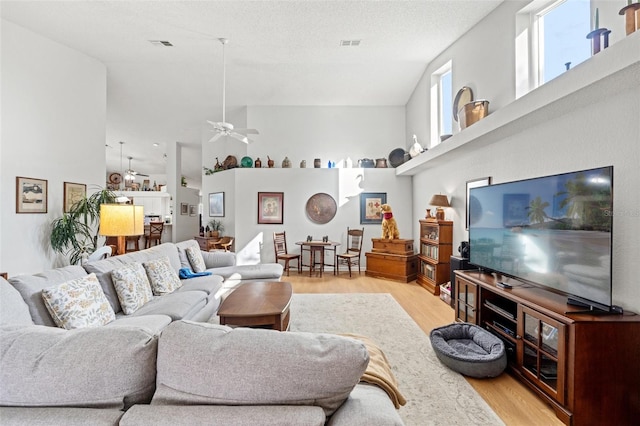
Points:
x=224 y=415
x=13 y=310
x=263 y=271
x=210 y=284
x=110 y=367
x=132 y=286
x=304 y=368
x=78 y=303
x=218 y=259
x=30 y=287
x=67 y=416
x=178 y=305
x=103 y=268
x=162 y=276
x=367 y=405
x=195 y=259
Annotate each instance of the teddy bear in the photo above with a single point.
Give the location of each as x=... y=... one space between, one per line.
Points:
x=389 y=225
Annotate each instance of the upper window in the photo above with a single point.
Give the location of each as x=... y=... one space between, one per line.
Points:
x=441 y=103
x=551 y=38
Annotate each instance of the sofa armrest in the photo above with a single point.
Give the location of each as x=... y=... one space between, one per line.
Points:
x=218 y=259
x=367 y=405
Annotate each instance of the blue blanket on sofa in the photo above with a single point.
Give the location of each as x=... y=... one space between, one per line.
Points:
x=186 y=273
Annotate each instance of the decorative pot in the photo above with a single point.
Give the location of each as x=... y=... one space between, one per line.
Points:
x=303 y=164
x=257 y=164
x=381 y=163
x=270 y=162
x=317 y=163
x=286 y=163
x=365 y=163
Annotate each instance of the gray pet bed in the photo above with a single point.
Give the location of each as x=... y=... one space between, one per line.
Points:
x=469 y=350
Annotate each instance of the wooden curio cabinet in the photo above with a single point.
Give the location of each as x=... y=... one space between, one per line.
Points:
x=436 y=239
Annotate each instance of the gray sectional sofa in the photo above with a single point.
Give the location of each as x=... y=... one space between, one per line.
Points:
x=165 y=365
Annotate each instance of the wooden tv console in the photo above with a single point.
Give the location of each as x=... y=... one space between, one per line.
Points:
x=586 y=366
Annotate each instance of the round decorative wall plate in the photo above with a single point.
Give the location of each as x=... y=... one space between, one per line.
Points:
x=115 y=178
x=321 y=208
x=463 y=97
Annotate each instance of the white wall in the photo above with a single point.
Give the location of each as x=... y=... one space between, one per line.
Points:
x=53 y=128
x=306 y=133
x=309 y=132
x=602 y=132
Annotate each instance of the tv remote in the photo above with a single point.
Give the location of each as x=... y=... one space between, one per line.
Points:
x=502 y=284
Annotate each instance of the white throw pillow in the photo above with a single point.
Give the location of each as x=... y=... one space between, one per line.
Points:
x=196 y=260
x=132 y=286
x=162 y=276
x=78 y=303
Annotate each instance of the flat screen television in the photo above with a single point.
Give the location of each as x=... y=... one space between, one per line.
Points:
x=552 y=231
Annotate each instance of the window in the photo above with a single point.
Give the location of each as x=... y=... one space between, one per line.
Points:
x=551 y=38
x=441 y=103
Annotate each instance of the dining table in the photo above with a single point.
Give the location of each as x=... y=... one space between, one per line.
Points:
x=317 y=256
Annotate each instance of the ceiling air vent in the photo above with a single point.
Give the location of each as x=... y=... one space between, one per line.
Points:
x=350 y=42
x=161 y=43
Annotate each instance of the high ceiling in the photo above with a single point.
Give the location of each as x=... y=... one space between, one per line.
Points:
x=279 y=53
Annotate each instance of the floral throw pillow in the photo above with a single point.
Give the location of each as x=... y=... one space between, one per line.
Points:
x=132 y=286
x=196 y=260
x=162 y=276
x=78 y=303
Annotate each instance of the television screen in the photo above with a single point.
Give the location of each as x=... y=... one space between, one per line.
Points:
x=553 y=230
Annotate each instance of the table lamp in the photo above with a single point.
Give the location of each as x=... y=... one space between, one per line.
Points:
x=121 y=221
x=439 y=201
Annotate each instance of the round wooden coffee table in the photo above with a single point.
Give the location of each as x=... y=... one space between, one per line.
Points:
x=258 y=304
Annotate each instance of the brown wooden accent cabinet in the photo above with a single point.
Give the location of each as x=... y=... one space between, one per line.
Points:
x=585 y=365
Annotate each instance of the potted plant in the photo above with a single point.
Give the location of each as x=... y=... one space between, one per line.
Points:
x=75 y=234
x=216 y=227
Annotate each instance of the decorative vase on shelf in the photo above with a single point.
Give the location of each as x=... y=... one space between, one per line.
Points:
x=317 y=163
x=257 y=164
x=303 y=164
x=286 y=163
x=270 y=162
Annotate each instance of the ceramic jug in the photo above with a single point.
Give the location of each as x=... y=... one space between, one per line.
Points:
x=286 y=163
x=303 y=164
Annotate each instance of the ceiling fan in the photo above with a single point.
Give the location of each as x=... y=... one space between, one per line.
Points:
x=223 y=128
x=131 y=174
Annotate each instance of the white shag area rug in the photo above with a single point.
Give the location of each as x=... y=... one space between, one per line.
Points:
x=435 y=394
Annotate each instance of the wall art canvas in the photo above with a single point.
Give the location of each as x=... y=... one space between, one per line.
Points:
x=73 y=192
x=31 y=195
x=370 y=203
x=216 y=204
x=270 y=207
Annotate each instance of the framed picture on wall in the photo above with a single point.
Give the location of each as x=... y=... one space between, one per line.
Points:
x=216 y=204
x=193 y=210
x=370 y=203
x=31 y=195
x=184 y=208
x=270 y=207
x=73 y=192
x=476 y=183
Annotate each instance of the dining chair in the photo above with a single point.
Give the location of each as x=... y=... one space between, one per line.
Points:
x=154 y=234
x=135 y=239
x=101 y=253
x=354 y=249
x=225 y=244
x=280 y=248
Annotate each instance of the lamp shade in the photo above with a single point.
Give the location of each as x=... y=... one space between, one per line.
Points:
x=121 y=220
x=439 y=200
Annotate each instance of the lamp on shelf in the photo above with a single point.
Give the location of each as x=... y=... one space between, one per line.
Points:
x=121 y=221
x=439 y=201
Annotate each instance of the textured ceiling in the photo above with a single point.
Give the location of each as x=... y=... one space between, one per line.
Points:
x=279 y=53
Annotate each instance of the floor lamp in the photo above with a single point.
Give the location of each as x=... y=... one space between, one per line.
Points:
x=121 y=221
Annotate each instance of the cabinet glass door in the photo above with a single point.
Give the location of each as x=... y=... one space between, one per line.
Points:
x=466 y=301
x=542 y=340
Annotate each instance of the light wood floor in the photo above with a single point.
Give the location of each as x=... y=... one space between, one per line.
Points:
x=511 y=400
